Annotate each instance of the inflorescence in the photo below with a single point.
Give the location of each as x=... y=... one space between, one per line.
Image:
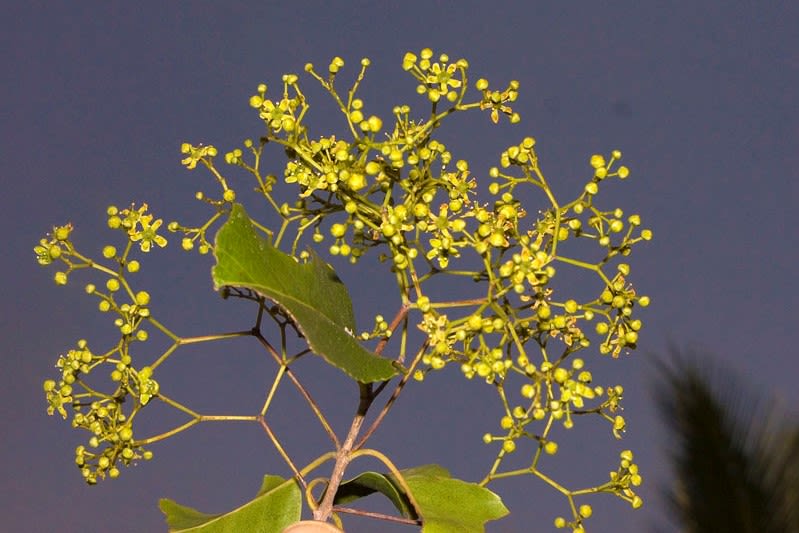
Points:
x=394 y=190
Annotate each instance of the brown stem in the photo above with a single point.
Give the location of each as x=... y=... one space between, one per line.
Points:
x=344 y=455
x=392 y=399
x=314 y=407
x=401 y=314
x=378 y=516
x=281 y=451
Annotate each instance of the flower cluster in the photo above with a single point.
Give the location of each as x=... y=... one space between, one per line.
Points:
x=139 y=225
x=400 y=196
x=280 y=115
x=111 y=440
x=196 y=154
x=497 y=101
x=397 y=191
x=106 y=412
x=439 y=79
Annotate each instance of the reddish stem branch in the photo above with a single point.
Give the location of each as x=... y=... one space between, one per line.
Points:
x=378 y=516
x=400 y=316
x=282 y=452
x=392 y=399
x=298 y=385
x=344 y=456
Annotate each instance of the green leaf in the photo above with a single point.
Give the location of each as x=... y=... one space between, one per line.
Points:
x=445 y=505
x=311 y=294
x=277 y=505
x=449 y=505
x=370 y=482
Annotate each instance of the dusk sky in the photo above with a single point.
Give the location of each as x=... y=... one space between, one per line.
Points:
x=97 y=97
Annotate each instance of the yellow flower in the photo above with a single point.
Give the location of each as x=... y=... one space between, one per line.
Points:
x=147 y=235
x=443 y=77
x=196 y=154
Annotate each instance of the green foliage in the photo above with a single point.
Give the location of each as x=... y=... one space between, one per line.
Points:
x=443 y=504
x=447 y=505
x=734 y=453
x=390 y=192
x=368 y=483
x=311 y=295
x=277 y=505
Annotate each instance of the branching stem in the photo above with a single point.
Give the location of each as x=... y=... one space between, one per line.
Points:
x=344 y=455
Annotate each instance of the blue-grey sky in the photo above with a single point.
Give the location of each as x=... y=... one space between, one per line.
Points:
x=98 y=96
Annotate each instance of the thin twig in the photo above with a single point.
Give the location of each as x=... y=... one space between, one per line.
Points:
x=399 y=318
x=378 y=516
x=281 y=451
x=314 y=407
x=392 y=399
x=403 y=311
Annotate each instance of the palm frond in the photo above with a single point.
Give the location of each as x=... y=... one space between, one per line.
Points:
x=735 y=464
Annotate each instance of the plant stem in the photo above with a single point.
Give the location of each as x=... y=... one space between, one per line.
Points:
x=281 y=451
x=344 y=455
x=377 y=516
x=400 y=316
x=314 y=407
x=392 y=399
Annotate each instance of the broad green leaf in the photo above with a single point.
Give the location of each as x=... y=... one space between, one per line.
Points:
x=278 y=504
x=370 y=482
x=449 y=505
x=310 y=293
x=445 y=505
